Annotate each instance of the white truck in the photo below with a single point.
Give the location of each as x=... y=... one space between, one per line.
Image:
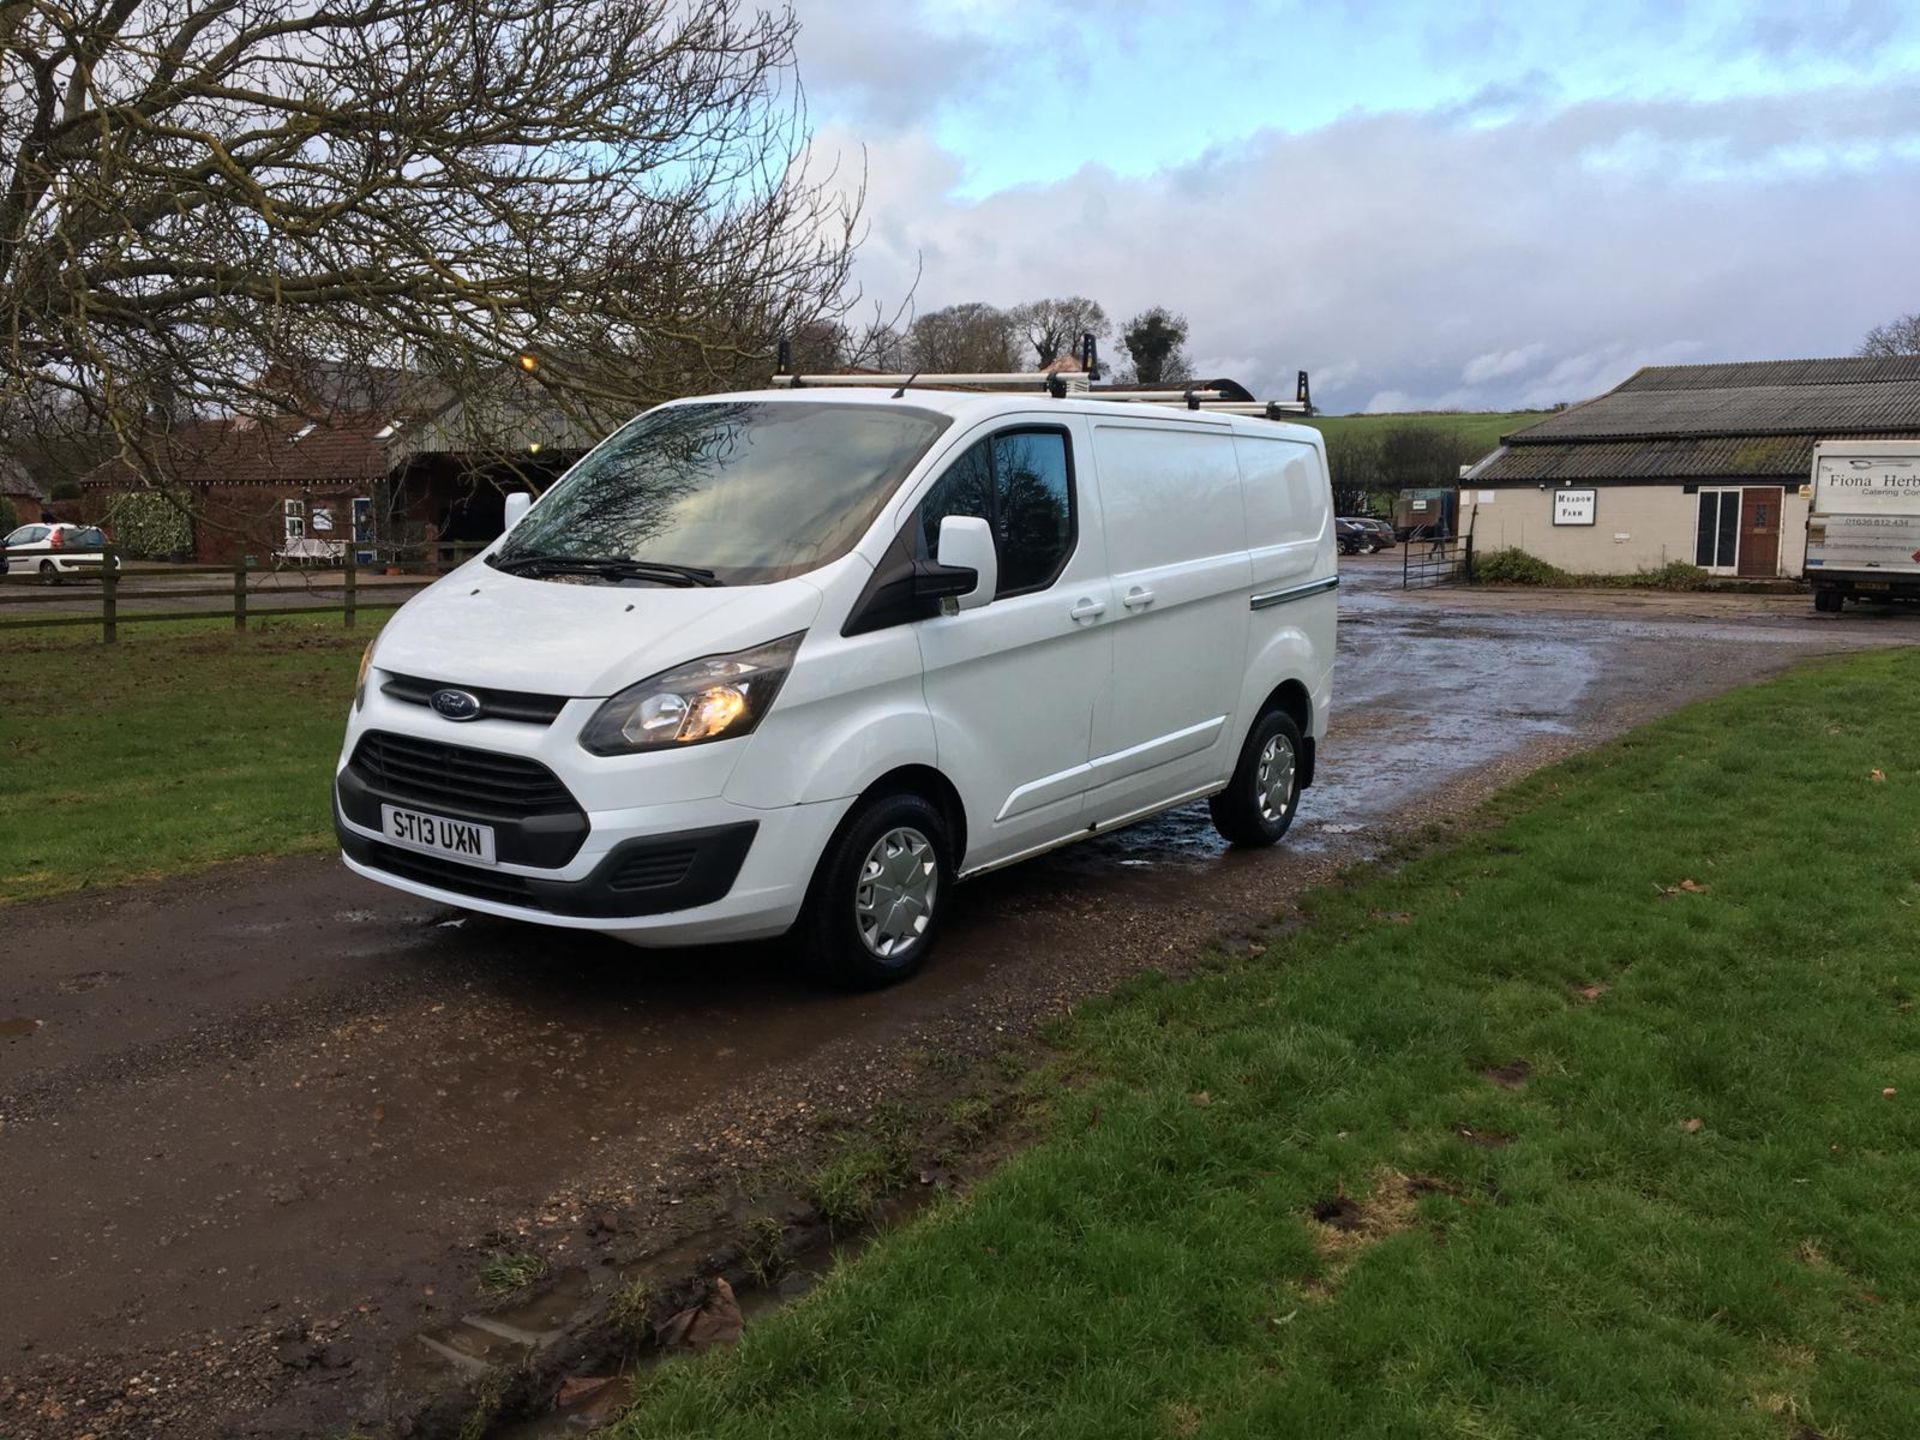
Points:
x=1863 y=524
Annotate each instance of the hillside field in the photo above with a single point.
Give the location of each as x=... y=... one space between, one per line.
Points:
x=1484 y=427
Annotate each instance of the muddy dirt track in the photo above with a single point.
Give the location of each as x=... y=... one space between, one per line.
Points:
x=277 y=1097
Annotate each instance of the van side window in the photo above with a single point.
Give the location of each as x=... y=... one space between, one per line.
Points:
x=1019 y=481
x=1033 y=504
x=966 y=489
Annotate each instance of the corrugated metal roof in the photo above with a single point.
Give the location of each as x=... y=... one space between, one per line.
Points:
x=1730 y=457
x=1739 y=374
x=1828 y=408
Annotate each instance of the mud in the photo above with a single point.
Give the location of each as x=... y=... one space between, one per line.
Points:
x=278 y=1112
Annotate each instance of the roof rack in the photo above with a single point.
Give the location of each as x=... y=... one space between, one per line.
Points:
x=1220 y=397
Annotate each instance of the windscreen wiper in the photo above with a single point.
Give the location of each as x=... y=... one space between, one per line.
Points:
x=616 y=567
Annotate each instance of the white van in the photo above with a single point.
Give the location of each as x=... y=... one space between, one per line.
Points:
x=804 y=659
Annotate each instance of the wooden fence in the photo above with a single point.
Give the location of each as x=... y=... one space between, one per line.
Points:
x=418 y=567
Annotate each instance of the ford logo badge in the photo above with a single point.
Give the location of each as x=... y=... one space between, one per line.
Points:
x=456 y=704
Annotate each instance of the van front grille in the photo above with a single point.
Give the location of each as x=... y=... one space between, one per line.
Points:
x=518 y=705
x=460 y=779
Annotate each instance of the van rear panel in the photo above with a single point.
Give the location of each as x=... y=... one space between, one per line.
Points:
x=1864 y=523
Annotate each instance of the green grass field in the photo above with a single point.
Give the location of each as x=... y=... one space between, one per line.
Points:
x=1483 y=428
x=1601 y=1124
x=182 y=746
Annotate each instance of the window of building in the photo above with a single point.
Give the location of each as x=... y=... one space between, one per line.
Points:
x=1717 y=532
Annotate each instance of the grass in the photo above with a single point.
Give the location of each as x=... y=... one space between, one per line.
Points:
x=1599 y=1124
x=509 y=1270
x=1483 y=427
x=174 y=750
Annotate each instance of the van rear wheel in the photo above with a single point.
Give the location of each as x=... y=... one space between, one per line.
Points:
x=879 y=893
x=1260 y=800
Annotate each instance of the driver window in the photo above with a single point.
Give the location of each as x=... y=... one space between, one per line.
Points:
x=1017 y=481
x=964 y=490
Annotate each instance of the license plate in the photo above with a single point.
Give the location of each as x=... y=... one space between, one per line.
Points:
x=1872 y=585
x=437 y=835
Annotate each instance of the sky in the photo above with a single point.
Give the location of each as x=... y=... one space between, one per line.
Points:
x=1427 y=206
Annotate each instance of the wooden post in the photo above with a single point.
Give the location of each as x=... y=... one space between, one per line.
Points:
x=352 y=571
x=239 y=594
x=109 y=599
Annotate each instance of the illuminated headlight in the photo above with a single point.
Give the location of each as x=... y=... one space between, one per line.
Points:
x=712 y=699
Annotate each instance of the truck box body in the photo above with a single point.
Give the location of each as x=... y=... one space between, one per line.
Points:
x=1863 y=526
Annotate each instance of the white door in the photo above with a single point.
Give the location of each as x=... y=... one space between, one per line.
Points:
x=1176 y=530
x=1015 y=686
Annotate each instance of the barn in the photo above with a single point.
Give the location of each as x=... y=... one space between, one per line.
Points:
x=1702 y=464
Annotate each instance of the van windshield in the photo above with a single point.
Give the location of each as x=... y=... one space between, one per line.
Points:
x=730 y=492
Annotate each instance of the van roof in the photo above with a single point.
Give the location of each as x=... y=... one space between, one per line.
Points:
x=969 y=406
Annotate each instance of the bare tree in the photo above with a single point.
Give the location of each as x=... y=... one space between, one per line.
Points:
x=1054 y=327
x=1155 y=339
x=972 y=338
x=1896 y=337
x=202 y=193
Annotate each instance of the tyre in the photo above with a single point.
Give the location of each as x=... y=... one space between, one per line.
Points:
x=48 y=574
x=1828 y=601
x=879 y=893
x=1260 y=800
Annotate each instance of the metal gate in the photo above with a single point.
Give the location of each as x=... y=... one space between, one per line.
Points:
x=1436 y=559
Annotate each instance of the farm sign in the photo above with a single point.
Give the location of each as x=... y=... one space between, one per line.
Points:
x=1573 y=507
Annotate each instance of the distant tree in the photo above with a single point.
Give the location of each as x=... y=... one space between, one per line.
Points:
x=8 y=520
x=194 y=190
x=1370 y=463
x=970 y=338
x=1155 y=339
x=1054 y=327
x=1896 y=337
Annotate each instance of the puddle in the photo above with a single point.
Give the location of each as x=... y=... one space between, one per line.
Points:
x=19 y=1026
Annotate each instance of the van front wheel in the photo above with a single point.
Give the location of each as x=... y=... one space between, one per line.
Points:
x=1260 y=800
x=879 y=893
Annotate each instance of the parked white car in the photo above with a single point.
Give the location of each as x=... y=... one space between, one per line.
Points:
x=807 y=658
x=54 y=551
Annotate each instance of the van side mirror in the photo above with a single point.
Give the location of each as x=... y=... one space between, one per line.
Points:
x=518 y=503
x=966 y=544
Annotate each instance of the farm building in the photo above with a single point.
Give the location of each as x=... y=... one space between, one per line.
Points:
x=403 y=468
x=1701 y=464
x=262 y=487
x=20 y=490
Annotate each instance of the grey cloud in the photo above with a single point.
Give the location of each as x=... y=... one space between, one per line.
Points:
x=888 y=66
x=1409 y=261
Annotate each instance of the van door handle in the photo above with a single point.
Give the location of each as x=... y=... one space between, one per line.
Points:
x=1087 y=610
x=1138 y=598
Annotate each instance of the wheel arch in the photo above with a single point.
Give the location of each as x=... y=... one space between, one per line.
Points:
x=933 y=785
x=1292 y=698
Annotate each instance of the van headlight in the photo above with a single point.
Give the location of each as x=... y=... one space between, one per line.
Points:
x=360 y=680
x=712 y=699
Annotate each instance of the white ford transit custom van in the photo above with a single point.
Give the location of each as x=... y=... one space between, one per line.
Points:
x=803 y=659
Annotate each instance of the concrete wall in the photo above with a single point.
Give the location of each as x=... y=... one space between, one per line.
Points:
x=1636 y=527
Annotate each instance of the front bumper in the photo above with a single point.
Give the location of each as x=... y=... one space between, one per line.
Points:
x=767 y=886
x=640 y=876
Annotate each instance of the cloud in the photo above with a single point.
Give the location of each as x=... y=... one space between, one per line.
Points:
x=889 y=66
x=1425 y=260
